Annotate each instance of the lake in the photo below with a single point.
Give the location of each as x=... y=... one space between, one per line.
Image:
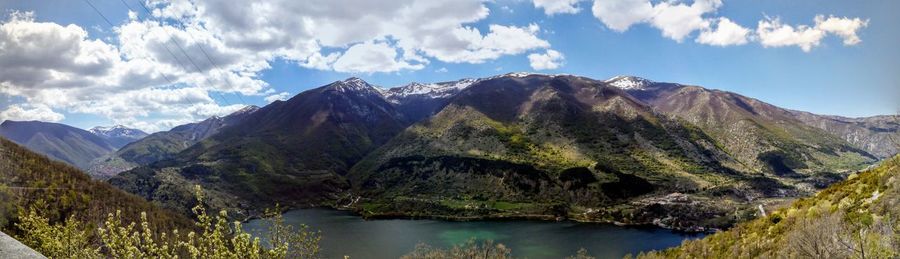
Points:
x=344 y=233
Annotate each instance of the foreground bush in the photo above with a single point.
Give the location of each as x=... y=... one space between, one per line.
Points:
x=214 y=237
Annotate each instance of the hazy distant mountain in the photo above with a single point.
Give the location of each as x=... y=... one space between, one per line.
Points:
x=57 y=141
x=163 y=145
x=626 y=149
x=118 y=136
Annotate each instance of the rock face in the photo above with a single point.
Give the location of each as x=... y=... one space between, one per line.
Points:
x=61 y=142
x=879 y=135
x=626 y=150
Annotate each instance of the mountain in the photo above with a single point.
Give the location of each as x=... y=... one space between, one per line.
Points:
x=57 y=141
x=855 y=218
x=163 y=145
x=556 y=146
x=294 y=152
x=879 y=135
x=418 y=101
x=61 y=191
x=118 y=136
x=761 y=136
x=626 y=150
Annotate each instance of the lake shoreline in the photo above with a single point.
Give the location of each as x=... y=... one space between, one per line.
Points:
x=528 y=237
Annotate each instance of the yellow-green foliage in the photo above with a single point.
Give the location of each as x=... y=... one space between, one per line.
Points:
x=856 y=218
x=214 y=237
x=65 y=240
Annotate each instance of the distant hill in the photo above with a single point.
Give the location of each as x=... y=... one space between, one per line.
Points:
x=27 y=177
x=118 y=136
x=163 y=145
x=855 y=218
x=58 y=141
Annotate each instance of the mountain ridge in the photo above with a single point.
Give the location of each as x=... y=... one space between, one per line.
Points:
x=533 y=122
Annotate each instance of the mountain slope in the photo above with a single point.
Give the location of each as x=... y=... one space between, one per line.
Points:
x=549 y=146
x=27 y=178
x=855 y=218
x=163 y=145
x=761 y=136
x=293 y=152
x=118 y=136
x=879 y=135
x=61 y=142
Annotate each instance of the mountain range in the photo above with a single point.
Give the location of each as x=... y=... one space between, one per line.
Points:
x=517 y=145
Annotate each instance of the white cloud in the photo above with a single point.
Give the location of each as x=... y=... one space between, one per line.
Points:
x=619 y=15
x=40 y=113
x=552 y=7
x=773 y=33
x=552 y=59
x=468 y=45
x=676 y=20
x=442 y=70
x=727 y=33
x=370 y=57
x=134 y=75
x=842 y=26
x=278 y=97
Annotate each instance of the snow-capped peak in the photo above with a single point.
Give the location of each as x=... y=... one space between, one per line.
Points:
x=629 y=82
x=356 y=85
x=431 y=90
x=246 y=110
x=116 y=131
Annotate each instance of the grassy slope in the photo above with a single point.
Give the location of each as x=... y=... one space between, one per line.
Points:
x=867 y=201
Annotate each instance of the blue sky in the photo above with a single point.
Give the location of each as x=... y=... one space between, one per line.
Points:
x=830 y=77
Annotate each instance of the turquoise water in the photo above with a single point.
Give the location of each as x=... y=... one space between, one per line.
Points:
x=347 y=234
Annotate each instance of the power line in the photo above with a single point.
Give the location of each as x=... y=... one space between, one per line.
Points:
x=98 y=12
x=172 y=38
x=164 y=45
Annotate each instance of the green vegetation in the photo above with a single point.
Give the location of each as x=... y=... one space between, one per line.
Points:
x=215 y=238
x=855 y=218
x=60 y=192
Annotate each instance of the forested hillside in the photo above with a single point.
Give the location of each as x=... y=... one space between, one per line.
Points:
x=59 y=191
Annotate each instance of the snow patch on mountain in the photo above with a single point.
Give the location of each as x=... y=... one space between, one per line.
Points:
x=117 y=131
x=629 y=82
x=430 y=90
